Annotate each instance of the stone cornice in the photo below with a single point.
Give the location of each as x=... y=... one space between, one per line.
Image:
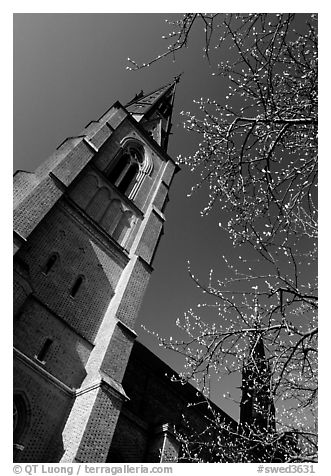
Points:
x=104 y=381
x=107 y=383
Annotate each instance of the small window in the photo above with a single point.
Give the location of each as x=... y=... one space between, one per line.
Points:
x=50 y=263
x=77 y=284
x=43 y=351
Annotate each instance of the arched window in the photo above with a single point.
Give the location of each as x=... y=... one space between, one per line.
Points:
x=20 y=417
x=76 y=286
x=129 y=179
x=118 y=169
x=50 y=263
x=123 y=173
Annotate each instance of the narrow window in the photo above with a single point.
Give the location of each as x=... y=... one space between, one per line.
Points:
x=43 y=351
x=116 y=172
x=128 y=180
x=50 y=263
x=76 y=286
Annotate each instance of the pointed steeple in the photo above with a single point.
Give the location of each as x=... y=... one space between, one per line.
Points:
x=257 y=410
x=142 y=102
x=154 y=111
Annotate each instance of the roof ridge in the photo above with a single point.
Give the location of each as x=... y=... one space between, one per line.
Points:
x=140 y=96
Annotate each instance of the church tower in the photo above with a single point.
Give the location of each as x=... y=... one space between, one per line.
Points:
x=87 y=224
x=257 y=410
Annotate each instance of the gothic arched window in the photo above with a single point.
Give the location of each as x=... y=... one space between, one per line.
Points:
x=50 y=263
x=128 y=179
x=124 y=172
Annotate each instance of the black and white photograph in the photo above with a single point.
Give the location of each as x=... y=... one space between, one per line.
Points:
x=165 y=241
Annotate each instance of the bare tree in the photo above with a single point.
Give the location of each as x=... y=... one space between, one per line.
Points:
x=258 y=158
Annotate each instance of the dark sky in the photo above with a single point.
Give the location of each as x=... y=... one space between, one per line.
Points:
x=68 y=70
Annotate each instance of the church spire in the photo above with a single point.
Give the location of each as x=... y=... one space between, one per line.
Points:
x=257 y=411
x=154 y=111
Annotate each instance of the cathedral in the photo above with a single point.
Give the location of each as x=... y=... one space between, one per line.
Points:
x=87 y=224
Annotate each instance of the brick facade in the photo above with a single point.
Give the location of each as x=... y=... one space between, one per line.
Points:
x=83 y=250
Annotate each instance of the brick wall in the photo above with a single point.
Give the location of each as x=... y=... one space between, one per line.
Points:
x=35 y=206
x=134 y=293
x=98 y=434
x=79 y=254
x=48 y=408
x=117 y=355
x=150 y=236
x=68 y=354
x=24 y=182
